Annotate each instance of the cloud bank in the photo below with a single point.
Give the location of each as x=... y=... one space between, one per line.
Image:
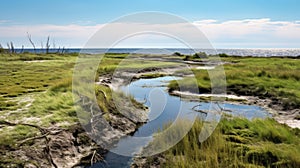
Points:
x=256 y=32
x=248 y=33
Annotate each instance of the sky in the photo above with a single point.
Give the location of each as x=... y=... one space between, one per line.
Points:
x=226 y=24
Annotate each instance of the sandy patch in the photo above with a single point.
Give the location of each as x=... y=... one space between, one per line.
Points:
x=206 y=67
x=290 y=122
x=36 y=61
x=233 y=97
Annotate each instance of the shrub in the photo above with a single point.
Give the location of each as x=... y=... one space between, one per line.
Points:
x=177 y=54
x=200 y=55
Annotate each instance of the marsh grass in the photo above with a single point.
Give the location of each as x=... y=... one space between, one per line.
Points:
x=275 y=78
x=236 y=142
x=35 y=92
x=152 y=75
x=19 y=78
x=111 y=62
x=48 y=79
x=107 y=101
x=55 y=106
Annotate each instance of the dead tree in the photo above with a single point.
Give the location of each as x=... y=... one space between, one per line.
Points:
x=58 y=50
x=63 y=50
x=22 y=50
x=11 y=47
x=31 y=42
x=47 y=45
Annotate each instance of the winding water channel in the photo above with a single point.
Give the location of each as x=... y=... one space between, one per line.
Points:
x=164 y=108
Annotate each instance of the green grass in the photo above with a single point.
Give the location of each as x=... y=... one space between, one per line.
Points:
x=36 y=93
x=275 y=78
x=49 y=83
x=19 y=77
x=55 y=106
x=235 y=143
x=106 y=101
x=152 y=75
x=112 y=62
x=41 y=93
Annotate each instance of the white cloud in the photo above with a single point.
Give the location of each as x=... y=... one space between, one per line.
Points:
x=4 y=21
x=208 y=21
x=262 y=32
x=241 y=29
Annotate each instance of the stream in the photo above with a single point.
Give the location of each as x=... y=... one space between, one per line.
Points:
x=164 y=109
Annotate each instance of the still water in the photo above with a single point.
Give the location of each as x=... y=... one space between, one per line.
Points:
x=163 y=109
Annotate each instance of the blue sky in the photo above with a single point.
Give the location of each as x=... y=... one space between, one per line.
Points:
x=34 y=15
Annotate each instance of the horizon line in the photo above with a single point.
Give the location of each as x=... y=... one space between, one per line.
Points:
x=18 y=48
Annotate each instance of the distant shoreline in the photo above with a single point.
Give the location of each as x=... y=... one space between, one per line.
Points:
x=232 y=52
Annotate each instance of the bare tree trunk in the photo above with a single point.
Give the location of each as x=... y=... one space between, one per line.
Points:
x=47 y=45
x=58 y=50
x=63 y=50
x=31 y=42
x=12 y=47
x=8 y=47
x=22 y=50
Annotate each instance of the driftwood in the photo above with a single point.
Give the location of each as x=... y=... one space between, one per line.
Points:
x=223 y=109
x=205 y=112
x=7 y=123
x=200 y=111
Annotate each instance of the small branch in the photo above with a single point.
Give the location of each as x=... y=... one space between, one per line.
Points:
x=7 y=123
x=49 y=153
x=196 y=106
x=199 y=111
x=92 y=159
x=223 y=109
x=33 y=138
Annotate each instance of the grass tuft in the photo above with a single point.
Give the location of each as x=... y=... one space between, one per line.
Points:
x=235 y=143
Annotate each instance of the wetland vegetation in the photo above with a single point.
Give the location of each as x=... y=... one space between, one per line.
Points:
x=37 y=107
